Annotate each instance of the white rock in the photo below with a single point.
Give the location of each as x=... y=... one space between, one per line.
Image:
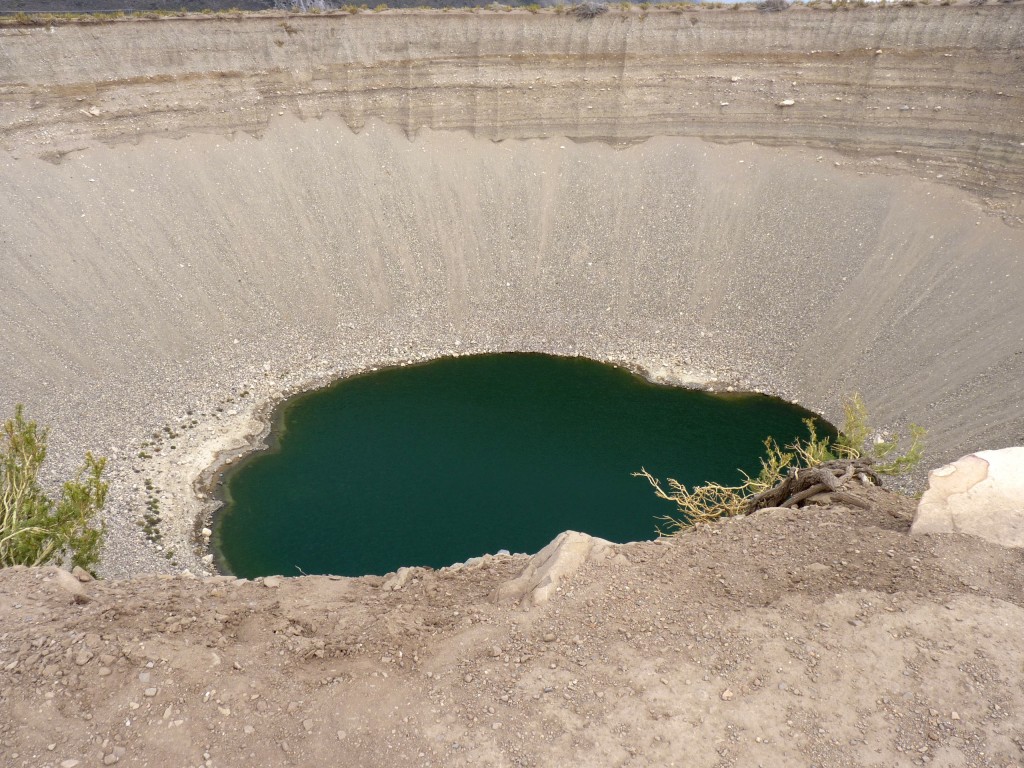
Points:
x=397 y=580
x=545 y=571
x=787 y=103
x=981 y=494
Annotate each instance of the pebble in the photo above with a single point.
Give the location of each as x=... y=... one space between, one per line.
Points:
x=727 y=695
x=308 y=725
x=83 y=658
x=149 y=693
x=468 y=678
x=549 y=637
x=496 y=651
x=110 y=759
x=249 y=730
x=70 y=763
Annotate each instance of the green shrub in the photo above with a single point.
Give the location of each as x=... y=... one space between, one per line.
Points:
x=856 y=442
x=35 y=529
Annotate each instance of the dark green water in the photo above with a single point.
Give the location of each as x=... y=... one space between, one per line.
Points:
x=436 y=463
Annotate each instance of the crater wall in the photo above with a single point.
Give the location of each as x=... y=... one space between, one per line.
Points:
x=193 y=210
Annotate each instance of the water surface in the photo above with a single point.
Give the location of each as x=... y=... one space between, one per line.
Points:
x=436 y=463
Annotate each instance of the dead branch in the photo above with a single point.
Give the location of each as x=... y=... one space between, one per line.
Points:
x=801 y=483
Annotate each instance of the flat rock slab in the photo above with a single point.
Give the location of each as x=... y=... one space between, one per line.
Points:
x=981 y=494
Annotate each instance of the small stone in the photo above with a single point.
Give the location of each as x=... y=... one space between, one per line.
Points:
x=104 y=671
x=143 y=677
x=549 y=637
x=468 y=678
x=81 y=574
x=71 y=585
x=341 y=735
x=207 y=533
x=787 y=103
x=110 y=759
x=308 y=725
x=955 y=715
x=495 y=651
x=272 y=582
x=70 y=763
x=83 y=658
x=727 y=695
x=496 y=726
x=249 y=730
x=149 y=693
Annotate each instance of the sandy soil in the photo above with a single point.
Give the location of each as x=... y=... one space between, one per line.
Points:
x=826 y=636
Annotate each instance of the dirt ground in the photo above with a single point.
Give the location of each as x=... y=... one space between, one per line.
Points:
x=825 y=636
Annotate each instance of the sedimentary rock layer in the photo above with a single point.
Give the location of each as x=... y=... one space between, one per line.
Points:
x=190 y=210
x=941 y=86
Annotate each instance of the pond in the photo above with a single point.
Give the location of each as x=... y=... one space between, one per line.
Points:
x=433 y=464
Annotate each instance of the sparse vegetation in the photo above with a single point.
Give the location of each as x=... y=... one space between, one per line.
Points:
x=793 y=474
x=773 y=6
x=589 y=9
x=35 y=529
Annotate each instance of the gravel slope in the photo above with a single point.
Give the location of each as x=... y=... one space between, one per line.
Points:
x=200 y=216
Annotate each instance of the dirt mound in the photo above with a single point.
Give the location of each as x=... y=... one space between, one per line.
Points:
x=823 y=636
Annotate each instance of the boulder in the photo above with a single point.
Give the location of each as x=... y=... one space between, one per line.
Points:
x=548 y=568
x=981 y=494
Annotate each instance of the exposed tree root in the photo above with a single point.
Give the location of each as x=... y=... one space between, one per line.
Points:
x=804 y=483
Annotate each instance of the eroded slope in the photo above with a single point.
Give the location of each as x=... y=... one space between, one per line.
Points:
x=219 y=229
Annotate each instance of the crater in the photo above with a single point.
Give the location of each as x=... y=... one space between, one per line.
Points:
x=625 y=189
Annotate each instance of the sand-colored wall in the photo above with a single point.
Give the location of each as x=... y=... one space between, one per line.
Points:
x=230 y=248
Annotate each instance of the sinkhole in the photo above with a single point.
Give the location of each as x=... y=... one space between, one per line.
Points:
x=435 y=463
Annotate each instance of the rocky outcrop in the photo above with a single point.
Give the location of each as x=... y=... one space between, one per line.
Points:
x=546 y=570
x=981 y=494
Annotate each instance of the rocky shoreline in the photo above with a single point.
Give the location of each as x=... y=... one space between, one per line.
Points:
x=185 y=515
